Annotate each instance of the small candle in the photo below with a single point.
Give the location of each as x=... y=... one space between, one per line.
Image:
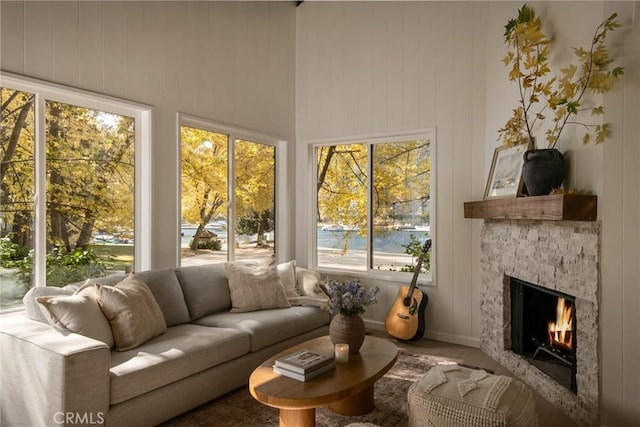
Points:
x=342 y=353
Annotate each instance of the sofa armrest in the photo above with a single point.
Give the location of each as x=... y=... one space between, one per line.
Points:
x=51 y=378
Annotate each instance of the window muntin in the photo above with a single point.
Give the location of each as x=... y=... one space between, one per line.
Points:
x=49 y=262
x=373 y=209
x=245 y=171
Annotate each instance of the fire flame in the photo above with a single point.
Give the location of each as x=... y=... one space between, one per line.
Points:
x=561 y=331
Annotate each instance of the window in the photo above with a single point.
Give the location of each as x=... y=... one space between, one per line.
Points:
x=254 y=194
x=373 y=203
x=83 y=153
x=228 y=193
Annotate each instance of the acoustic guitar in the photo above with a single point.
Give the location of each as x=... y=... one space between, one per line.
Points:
x=405 y=320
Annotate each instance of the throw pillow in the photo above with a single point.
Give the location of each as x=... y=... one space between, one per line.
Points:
x=132 y=311
x=287 y=272
x=311 y=293
x=309 y=283
x=31 y=306
x=79 y=313
x=255 y=287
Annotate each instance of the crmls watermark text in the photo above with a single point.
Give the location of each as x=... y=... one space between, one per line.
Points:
x=84 y=418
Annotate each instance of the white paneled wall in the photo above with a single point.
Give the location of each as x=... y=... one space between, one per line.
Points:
x=230 y=62
x=608 y=170
x=375 y=67
x=620 y=213
x=369 y=68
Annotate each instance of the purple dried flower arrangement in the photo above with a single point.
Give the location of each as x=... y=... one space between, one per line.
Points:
x=350 y=298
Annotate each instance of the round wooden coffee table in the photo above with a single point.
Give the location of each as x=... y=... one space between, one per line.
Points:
x=346 y=390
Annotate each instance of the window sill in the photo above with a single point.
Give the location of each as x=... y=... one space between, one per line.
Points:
x=424 y=280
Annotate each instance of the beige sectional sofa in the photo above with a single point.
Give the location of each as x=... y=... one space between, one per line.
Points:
x=50 y=376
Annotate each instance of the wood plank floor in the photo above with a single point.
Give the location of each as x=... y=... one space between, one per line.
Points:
x=548 y=415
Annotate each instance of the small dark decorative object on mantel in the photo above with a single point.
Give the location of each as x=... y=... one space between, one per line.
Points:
x=542 y=171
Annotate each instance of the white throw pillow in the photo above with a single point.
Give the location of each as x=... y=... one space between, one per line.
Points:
x=254 y=287
x=287 y=272
x=311 y=293
x=79 y=313
x=309 y=283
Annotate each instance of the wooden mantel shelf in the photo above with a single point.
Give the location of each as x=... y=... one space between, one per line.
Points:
x=557 y=207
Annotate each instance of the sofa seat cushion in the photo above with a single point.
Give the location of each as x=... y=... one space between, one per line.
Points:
x=268 y=327
x=182 y=351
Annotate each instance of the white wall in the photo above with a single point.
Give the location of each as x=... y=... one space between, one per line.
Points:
x=620 y=212
x=230 y=62
x=609 y=170
x=366 y=68
x=391 y=66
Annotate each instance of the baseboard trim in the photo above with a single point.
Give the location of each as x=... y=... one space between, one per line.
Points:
x=432 y=335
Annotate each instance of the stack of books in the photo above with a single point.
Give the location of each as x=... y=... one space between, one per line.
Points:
x=304 y=365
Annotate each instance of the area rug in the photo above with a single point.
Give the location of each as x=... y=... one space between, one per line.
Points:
x=238 y=408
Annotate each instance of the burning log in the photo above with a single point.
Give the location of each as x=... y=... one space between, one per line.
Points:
x=560 y=353
x=561 y=331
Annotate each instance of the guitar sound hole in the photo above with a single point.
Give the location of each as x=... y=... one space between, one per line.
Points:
x=407 y=301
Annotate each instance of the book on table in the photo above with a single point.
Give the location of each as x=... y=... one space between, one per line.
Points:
x=306 y=376
x=304 y=361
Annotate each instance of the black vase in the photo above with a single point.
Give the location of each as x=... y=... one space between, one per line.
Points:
x=543 y=170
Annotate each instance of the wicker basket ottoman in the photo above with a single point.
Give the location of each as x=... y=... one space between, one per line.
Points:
x=452 y=395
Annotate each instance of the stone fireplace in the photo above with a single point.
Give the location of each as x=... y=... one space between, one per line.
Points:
x=562 y=257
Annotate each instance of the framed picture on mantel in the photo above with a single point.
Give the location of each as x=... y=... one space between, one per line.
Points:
x=505 y=176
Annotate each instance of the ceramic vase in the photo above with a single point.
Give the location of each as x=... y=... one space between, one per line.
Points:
x=347 y=329
x=542 y=171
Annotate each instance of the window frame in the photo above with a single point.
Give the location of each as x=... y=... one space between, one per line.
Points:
x=141 y=114
x=237 y=133
x=369 y=140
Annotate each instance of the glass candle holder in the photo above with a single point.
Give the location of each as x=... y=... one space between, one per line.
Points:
x=342 y=353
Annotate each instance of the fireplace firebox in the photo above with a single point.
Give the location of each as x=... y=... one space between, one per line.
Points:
x=543 y=325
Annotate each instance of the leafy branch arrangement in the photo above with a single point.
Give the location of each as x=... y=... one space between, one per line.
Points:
x=528 y=57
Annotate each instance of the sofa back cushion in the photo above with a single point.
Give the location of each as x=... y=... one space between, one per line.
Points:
x=167 y=291
x=206 y=290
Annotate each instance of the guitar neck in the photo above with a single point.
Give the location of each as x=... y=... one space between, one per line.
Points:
x=416 y=270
